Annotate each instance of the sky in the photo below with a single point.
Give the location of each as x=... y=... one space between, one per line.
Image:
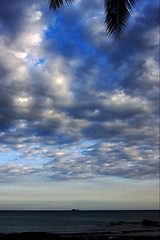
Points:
x=78 y=108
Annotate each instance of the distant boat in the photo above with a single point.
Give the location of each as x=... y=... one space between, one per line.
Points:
x=75 y=210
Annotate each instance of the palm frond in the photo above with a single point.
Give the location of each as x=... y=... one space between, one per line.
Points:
x=54 y=4
x=116 y=15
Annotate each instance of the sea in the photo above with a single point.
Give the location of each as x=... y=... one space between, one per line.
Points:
x=61 y=222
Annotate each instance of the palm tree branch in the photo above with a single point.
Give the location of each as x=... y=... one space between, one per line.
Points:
x=55 y=4
x=116 y=15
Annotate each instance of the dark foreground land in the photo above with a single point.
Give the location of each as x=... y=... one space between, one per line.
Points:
x=82 y=236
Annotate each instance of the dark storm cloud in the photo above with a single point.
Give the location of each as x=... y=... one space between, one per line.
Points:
x=88 y=88
x=12 y=16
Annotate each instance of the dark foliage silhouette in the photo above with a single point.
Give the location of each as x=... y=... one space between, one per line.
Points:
x=116 y=13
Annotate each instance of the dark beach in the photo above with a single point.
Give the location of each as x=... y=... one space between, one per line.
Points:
x=82 y=236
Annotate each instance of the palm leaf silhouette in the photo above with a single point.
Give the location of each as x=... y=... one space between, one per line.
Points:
x=116 y=13
x=54 y=4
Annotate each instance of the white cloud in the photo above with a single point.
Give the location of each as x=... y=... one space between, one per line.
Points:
x=51 y=109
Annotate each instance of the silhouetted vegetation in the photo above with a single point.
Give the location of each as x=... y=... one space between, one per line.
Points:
x=116 y=13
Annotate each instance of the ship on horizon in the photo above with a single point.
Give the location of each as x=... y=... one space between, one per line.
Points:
x=75 y=209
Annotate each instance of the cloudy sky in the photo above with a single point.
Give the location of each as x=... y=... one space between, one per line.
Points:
x=78 y=109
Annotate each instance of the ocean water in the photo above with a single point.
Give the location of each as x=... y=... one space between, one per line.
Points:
x=77 y=221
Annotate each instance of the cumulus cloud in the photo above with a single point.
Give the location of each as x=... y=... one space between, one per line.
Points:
x=74 y=102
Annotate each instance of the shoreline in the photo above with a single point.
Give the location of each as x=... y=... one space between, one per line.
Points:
x=80 y=236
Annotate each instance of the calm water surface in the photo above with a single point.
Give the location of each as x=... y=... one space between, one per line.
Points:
x=71 y=222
